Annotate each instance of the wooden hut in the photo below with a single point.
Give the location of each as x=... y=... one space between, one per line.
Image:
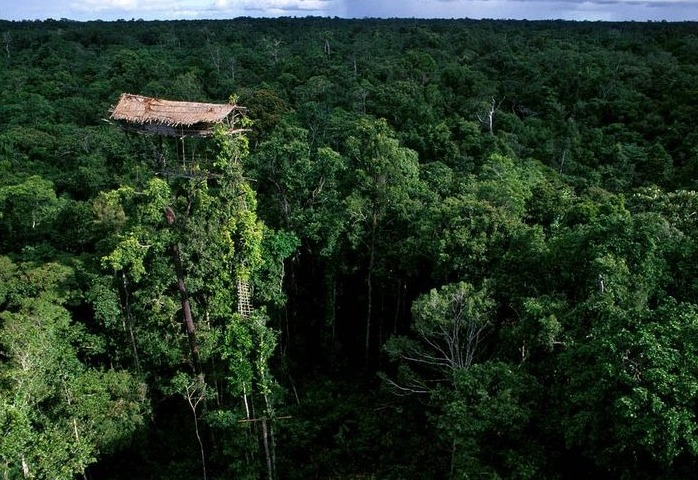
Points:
x=136 y=113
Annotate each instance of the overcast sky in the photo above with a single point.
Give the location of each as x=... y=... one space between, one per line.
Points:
x=608 y=10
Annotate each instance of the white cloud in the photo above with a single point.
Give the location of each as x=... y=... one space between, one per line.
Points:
x=104 y=5
x=134 y=6
x=287 y=7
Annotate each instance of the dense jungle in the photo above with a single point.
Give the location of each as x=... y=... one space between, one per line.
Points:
x=471 y=250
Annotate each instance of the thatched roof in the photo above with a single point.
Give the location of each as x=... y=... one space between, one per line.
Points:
x=167 y=117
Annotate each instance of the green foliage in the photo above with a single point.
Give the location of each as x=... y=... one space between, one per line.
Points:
x=370 y=207
x=28 y=211
x=277 y=247
x=384 y=175
x=636 y=415
x=57 y=413
x=487 y=421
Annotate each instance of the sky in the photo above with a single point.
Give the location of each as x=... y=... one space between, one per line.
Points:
x=592 y=10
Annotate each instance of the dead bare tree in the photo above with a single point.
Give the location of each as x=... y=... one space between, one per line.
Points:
x=7 y=41
x=486 y=116
x=194 y=393
x=326 y=36
x=449 y=325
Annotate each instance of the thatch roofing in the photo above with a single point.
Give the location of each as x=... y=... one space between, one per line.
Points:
x=168 y=117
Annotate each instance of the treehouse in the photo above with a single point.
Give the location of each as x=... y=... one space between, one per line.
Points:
x=180 y=120
x=177 y=120
x=153 y=116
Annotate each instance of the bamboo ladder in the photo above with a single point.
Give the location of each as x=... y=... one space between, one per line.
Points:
x=244 y=298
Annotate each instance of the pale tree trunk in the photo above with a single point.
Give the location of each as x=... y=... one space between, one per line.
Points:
x=488 y=117
x=246 y=402
x=7 y=40
x=25 y=468
x=195 y=393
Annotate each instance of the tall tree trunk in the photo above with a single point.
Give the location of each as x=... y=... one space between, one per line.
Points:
x=269 y=441
x=369 y=285
x=184 y=296
x=267 y=451
x=186 y=310
x=331 y=299
x=126 y=307
x=398 y=304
